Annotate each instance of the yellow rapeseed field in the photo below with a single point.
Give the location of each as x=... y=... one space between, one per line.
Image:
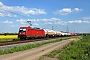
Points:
x=8 y=36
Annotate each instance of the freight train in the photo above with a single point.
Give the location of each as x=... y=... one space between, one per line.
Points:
x=27 y=32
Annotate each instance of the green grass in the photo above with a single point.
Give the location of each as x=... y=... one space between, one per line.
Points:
x=26 y=47
x=53 y=53
x=77 y=50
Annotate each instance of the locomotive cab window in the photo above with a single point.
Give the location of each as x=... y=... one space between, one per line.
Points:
x=22 y=30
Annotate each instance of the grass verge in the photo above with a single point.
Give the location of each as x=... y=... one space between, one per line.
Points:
x=77 y=50
x=29 y=46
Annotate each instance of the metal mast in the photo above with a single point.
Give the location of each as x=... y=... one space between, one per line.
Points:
x=67 y=28
x=52 y=27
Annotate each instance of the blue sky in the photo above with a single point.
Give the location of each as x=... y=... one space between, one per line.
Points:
x=44 y=14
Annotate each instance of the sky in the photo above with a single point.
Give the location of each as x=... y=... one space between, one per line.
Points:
x=73 y=15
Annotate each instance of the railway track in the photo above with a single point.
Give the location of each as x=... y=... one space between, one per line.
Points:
x=36 y=53
x=23 y=41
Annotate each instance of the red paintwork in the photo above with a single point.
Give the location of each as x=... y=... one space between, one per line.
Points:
x=73 y=34
x=31 y=32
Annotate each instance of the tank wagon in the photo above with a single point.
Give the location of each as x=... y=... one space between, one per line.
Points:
x=49 y=33
x=65 y=34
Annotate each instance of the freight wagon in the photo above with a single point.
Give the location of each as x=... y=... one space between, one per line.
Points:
x=49 y=33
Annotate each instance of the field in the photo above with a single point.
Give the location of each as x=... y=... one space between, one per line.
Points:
x=8 y=37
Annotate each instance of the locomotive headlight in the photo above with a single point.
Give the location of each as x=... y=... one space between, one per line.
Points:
x=24 y=33
x=20 y=32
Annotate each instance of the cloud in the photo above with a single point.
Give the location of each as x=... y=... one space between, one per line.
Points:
x=50 y=19
x=35 y=24
x=1 y=4
x=86 y=21
x=5 y=14
x=56 y=21
x=78 y=21
x=13 y=26
x=8 y=10
x=76 y=10
x=8 y=22
x=33 y=20
x=75 y=21
x=66 y=11
x=61 y=23
x=22 y=21
x=48 y=23
x=86 y=18
x=44 y=19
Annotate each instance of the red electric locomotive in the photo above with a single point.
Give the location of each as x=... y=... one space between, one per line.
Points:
x=28 y=32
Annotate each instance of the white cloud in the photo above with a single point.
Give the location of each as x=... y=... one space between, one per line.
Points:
x=78 y=21
x=22 y=21
x=86 y=21
x=1 y=4
x=1 y=14
x=5 y=10
x=34 y=20
x=77 y=10
x=44 y=20
x=15 y=15
x=54 y=20
x=8 y=22
x=66 y=11
x=5 y=14
x=35 y=24
x=48 y=23
x=13 y=25
x=75 y=21
x=61 y=23
x=86 y=18
x=50 y=19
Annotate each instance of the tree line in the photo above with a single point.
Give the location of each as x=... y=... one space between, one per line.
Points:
x=8 y=33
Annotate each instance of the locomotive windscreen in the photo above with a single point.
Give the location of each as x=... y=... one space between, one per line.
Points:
x=22 y=30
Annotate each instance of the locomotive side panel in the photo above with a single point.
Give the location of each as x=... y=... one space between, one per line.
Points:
x=28 y=32
x=37 y=33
